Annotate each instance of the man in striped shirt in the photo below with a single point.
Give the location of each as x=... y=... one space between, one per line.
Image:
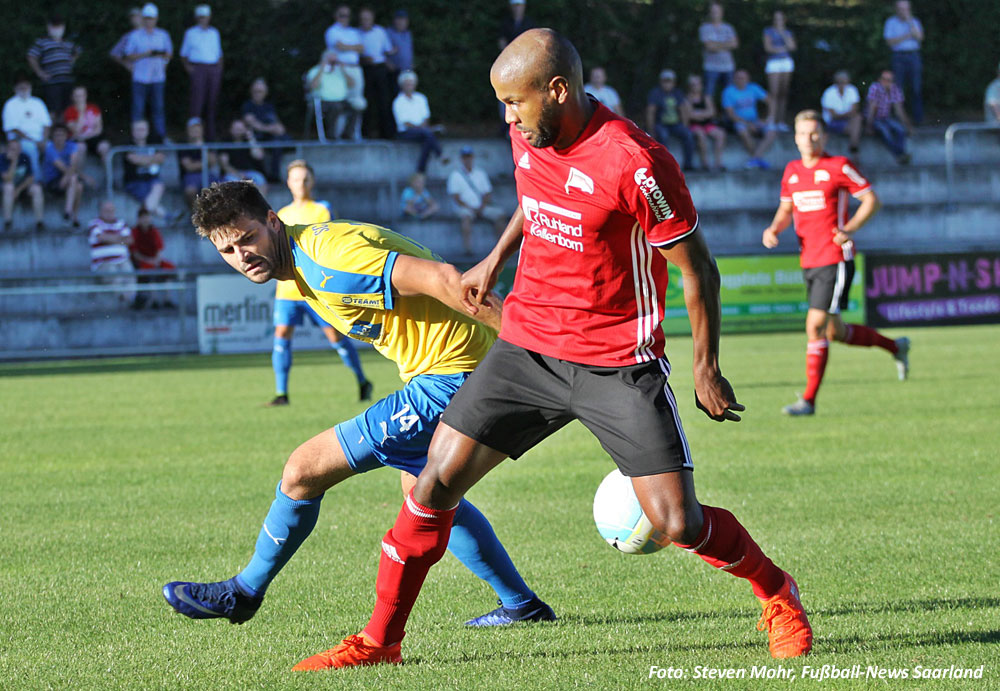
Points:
x=52 y=58
x=110 y=239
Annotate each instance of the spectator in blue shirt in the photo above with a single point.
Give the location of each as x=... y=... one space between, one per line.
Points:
x=401 y=58
x=61 y=171
x=416 y=201
x=740 y=101
x=148 y=49
x=904 y=33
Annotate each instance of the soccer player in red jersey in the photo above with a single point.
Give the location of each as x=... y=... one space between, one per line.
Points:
x=814 y=193
x=603 y=207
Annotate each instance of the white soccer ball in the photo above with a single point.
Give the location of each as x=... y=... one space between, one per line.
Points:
x=620 y=519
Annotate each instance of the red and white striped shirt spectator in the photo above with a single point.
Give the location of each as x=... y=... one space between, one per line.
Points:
x=110 y=238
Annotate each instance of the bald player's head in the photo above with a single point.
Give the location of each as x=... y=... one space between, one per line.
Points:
x=539 y=78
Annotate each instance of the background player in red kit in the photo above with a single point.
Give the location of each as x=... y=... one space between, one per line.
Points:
x=814 y=193
x=602 y=209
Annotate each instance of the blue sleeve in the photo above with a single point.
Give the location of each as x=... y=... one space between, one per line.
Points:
x=727 y=97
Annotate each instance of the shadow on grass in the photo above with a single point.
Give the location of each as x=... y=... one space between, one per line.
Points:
x=910 y=606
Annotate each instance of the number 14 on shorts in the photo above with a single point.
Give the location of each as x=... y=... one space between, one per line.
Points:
x=404 y=418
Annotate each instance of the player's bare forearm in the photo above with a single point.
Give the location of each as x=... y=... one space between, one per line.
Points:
x=478 y=281
x=869 y=206
x=713 y=394
x=782 y=219
x=443 y=282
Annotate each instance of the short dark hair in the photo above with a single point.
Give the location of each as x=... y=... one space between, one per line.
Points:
x=224 y=203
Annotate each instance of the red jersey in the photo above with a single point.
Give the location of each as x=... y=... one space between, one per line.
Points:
x=819 y=206
x=147 y=241
x=589 y=285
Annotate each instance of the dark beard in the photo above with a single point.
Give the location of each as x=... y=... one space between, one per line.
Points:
x=546 y=132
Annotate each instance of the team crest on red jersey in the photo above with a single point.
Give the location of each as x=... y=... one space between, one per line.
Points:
x=579 y=180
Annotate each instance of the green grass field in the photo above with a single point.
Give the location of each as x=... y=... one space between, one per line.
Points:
x=118 y=476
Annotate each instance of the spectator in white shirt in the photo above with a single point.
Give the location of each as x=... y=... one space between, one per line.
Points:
x=346 y=41
x=378 y=89
x=412 y=114
x=201 y=54
x=599 y=89
x=471 y=192
x=842 y=109
x=26 y=118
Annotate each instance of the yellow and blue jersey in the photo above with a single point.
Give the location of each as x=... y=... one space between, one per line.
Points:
x=307 y=213
x=344 y=271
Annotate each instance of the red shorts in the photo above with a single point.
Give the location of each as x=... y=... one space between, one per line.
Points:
x=162 y=264
x=707 y=128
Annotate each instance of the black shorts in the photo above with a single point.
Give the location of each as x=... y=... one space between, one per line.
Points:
x=828 y=286
x=516 y=398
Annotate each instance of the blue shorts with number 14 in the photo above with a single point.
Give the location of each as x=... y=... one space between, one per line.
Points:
x=397 y=430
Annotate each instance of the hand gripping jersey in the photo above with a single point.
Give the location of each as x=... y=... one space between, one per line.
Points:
x=590 y=283
x=819 y=206
x=344 y=269
x=306 y=214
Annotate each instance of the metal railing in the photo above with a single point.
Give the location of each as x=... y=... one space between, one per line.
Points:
x=178 y=282
x=210 y=147
x=949 y=149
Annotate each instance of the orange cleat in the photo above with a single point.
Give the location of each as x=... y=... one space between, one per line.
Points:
x=784 y=619
x=353 y=651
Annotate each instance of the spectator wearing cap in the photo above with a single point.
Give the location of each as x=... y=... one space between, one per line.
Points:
x=885 y=115
x=61 y=171
x=378 y=91
x=667 y=115
x=718 y=40
x=117 y=52
x=52 y=59
x=412 y=113
x=189 y=161
x=904 y=33
x=598 y=88
x=842 y=109
x=345 y=40
x=201 y=54
x=149 y=49
x=86 y=123
x=515 y=24
x=401 y=58
x=472 y=193
x=991 y=101
x=740 y=101
x=330 y=84
x=26 y=118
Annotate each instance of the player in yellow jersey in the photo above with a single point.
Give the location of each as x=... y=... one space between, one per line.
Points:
x=290 y=308
x=383 y=288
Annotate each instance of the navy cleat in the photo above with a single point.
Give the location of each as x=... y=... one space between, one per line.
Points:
x=212 y=600
x=535 y=610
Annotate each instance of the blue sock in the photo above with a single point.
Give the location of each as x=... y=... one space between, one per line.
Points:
x=286 y=526
x=281 y=361
x=349 y=355
x=478 y=548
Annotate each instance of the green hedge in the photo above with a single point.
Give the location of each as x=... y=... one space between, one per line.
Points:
x=456 y=43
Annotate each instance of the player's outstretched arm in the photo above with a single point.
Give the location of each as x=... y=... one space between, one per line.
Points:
x=782 y=218
x=713 y=394
x=478 y=281
x=415 y=276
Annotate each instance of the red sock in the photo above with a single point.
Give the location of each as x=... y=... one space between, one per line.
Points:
x=817 y=353
x=725 y=544
x=417 y=540
x=858 y=335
